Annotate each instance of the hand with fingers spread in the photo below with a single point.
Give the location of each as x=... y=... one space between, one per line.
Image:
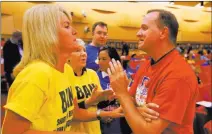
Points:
x=99 y=95
x=118 y=78
x=148 y=113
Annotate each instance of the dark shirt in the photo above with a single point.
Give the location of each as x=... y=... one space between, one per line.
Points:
x=11 y=56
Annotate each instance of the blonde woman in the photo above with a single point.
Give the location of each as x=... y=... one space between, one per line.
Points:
x=41 y=100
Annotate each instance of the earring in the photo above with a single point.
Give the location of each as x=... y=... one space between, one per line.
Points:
x=68 y=61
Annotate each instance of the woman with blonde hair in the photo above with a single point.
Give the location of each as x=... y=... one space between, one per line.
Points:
x=41 y=100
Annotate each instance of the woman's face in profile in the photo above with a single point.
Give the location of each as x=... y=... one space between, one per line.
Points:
x=66 y=35
x=104 y=60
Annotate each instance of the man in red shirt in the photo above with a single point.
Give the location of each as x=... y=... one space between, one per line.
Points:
x=166 y=80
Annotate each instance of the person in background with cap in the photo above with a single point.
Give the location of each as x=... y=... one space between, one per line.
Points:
x=12 y=52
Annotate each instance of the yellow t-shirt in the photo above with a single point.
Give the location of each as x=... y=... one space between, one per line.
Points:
x=83 y=86
x=44 y=96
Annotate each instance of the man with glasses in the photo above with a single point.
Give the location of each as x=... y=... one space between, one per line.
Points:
x=99 y=33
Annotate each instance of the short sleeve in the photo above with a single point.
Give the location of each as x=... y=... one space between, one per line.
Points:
x=25 y=99
x=173 y=97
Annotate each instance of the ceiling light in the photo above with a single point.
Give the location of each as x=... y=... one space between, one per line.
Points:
x=171 y=3
x=200 y=5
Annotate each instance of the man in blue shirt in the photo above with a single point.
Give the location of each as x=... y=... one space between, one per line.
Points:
x=100 y=34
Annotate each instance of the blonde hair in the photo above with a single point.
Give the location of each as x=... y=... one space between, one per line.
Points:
x=40 y=34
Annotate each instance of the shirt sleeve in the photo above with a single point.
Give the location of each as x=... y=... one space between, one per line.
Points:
x=25 y=99
x=173 y=97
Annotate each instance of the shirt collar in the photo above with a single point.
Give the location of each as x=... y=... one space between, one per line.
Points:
x=104 y=74
x=83 y=70
x=163 y=57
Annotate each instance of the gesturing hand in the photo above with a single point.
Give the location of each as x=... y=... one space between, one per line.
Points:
x=107 y=94
x=148 y=113
x=118 y=78
x=99 y=95
x=116 y=113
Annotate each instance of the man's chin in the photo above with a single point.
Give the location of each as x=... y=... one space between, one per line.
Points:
x=142 y=47
x=101 y=44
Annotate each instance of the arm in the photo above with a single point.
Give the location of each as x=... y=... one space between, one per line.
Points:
x=167 y=93
x=85 y=115
x=99 y=96
x=148 y=111
x=135 y=119
x=16 y=124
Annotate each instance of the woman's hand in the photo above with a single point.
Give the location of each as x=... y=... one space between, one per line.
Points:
x=111 y=108
x=98 y=96
x=148 y=113
x=116 y=113
x=107 y=94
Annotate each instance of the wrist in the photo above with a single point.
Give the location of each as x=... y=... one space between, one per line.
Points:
x=104 y=114
x=122 y=95
x=98 y=114
x=123 y=98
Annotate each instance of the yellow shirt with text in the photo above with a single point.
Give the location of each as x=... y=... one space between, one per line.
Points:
x=42 y=95
x=83 y=86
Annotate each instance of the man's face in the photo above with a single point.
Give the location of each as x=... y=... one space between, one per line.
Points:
x=100 y=35
x=149 y=32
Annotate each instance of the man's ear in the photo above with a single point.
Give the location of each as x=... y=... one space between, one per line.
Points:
x=164 y=33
